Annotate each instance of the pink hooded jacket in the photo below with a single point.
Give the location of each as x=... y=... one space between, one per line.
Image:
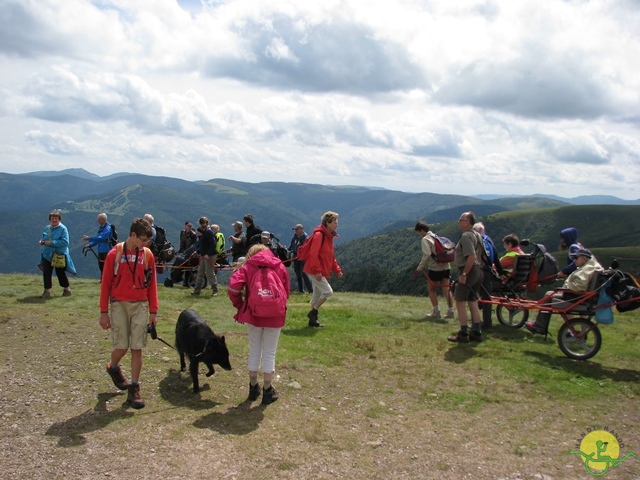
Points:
x=242 y=277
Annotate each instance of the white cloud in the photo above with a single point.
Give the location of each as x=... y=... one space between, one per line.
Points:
x=452 y=97
x=55 y=143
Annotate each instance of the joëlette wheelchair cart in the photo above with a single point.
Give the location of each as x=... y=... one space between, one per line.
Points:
x=579 y=337
x=530 y=271
x=188 y=265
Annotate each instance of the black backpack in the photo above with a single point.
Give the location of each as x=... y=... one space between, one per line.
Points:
x=547 y=265
x=113 y=238
x=282 y=252
x=161 y=247
x=161 y=237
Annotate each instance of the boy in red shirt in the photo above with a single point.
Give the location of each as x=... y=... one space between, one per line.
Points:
x=129 y=286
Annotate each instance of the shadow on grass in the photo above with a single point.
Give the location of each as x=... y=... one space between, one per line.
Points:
x=501 y=332
x=177 y=389
x=426 y=319
x=460 y=352
x=71 y=431
x=33 y=299
x=304 y=331
x=587 y=368
x=239 y=420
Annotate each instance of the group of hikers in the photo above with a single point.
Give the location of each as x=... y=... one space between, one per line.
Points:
x=129 y=297
x=258 y=287
x=479 y=268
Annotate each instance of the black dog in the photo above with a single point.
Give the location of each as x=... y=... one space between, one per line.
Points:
x=195 y=339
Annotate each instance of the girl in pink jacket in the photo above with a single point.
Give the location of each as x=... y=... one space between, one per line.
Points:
x=259 y=290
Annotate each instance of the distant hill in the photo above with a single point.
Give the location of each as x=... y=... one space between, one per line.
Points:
x=581 y=200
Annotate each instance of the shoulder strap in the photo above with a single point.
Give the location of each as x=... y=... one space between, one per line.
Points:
x=119 y=252
x=484 y=259
x=116 y=263
x=147 y=255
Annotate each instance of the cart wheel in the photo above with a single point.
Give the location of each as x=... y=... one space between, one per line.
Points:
x=579 y=339
x=513 y=317
x=192 y=280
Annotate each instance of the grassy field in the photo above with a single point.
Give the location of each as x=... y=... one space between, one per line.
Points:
x=379 y=393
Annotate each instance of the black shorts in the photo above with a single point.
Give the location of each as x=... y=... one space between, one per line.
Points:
x=436 y=275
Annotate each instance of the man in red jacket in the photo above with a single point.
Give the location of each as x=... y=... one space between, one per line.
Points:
x=129 y=287
x=320 y=263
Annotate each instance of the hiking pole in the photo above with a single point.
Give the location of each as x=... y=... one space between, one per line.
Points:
x=86 y=249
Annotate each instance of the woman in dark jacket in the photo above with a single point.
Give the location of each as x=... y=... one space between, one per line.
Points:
x=253 y=231
x=207 y=252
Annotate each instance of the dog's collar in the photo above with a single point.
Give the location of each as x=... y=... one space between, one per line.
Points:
x=203 y=350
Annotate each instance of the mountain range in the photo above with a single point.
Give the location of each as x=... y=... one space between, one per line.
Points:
x=365 y=213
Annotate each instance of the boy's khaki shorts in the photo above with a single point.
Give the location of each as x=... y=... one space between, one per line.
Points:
x=129 y=325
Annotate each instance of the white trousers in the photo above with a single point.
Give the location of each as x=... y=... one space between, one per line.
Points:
x=263 y=343
x=321 y=289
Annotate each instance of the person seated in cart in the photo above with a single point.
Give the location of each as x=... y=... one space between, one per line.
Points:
x=511 y=244
x=576 y=283
x=183 y=266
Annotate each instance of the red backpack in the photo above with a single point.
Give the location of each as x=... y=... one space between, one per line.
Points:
x=305 y=248
x=445 y=249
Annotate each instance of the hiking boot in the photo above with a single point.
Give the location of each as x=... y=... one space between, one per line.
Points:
x=66 y=292
x=313 y=318
x=450 y=315
x=434 y=314
x=269 y=395
x=133 y=397
x=118 y=378
x=46 y=294
x=196 y=291
x=460 y=337
x=533 y=327
x=475 y=336
x=254 y=392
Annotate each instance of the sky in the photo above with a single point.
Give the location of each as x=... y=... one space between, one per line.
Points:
x=445 y=96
